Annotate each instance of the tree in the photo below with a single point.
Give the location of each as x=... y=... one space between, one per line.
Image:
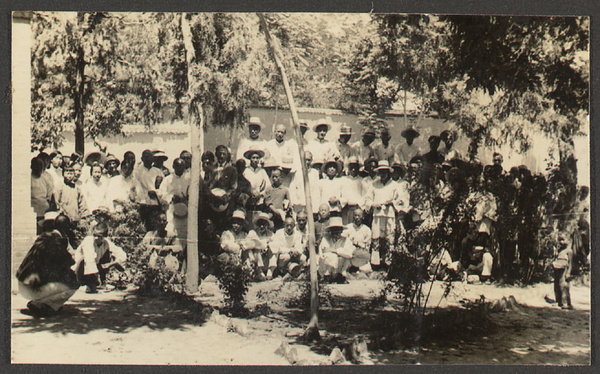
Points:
x=98 y=71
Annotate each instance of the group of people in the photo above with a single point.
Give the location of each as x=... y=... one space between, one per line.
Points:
x=369 y=198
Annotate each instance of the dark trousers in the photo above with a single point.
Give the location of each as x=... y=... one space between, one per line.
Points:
x=562 y=291
x=148 y=214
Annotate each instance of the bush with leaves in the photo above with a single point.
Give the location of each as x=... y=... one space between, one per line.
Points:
x=233 y=280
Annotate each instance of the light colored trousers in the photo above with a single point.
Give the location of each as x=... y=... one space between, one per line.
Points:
x=53 y=294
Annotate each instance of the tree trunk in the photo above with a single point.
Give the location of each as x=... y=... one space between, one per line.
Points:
x=196 y=121
x=78 y=101
x=312 y=331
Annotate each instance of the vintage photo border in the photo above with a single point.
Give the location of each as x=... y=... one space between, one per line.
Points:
x=537 y=7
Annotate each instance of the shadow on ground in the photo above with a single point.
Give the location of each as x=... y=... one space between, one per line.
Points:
x=121 y=316
x=522 y=335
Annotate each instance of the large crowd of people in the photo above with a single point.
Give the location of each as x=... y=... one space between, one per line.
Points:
x=369 y=197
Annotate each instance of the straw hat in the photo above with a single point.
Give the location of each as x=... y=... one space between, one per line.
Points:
x=383 y=165
x=110 y=157
x=322 y=122
x=345 y=130
x=238 y=214
x=248 y=154
x=411 y=132
x=331 y=162
x=255 y=121
x=335 y=222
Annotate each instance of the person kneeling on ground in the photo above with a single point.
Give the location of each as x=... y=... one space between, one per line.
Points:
x=482 y=262
x=443 y=268
x=95 y=256
x=360 y=235
x=288 y=250
x=163 y=243
x=45 y=276
x=332 y=247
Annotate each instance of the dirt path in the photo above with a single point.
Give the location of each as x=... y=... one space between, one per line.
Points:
x=119 y=328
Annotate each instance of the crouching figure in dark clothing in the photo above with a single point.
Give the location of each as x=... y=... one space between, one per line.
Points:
x=95 y=256
x=45 y=275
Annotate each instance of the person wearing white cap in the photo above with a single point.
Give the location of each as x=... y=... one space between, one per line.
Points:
x=288 y=250
x=45 y=275
x=321 y=148
x=333 y=246
x=384 y=198
x=253 y=141
x=257 y=251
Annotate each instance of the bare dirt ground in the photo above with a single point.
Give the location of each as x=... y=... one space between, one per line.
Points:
x=118 y=327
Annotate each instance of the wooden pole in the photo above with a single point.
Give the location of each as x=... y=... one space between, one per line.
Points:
x=312 y=331
x=196 y=121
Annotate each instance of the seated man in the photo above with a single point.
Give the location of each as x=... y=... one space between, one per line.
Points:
x=95 y=256
x=360 y=236
x=257 y=252
x=443 y=268
x=332 y=247
x=233 y=241
x=163 y=243
x=287 y=250
x=45 y=276
x=480 y=268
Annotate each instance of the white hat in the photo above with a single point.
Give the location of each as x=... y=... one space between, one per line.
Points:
x=322 y=122
x=383 y=165
x=335 y=222
x=238 y=214
x=255 y=121
x=48 y=216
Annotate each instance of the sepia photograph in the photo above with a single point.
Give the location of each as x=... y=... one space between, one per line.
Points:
x=300 y=189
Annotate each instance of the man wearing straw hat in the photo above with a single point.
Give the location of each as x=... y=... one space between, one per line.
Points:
x=321 y=148
x=297 y=194
x=253 y=141
x=344 y=149
x=258 y=178
x=406 y=151
x=233 y=241
x=257 y=248
x=334 y=246
x=363 y=149
x=384 y=198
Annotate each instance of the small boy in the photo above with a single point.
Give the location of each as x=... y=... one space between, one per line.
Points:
x=277 y=198
x=287 y=250
x=70 y=199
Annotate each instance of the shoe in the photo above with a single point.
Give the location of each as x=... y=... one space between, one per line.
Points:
x=89 y=289
x=569 y=307
x=340 y=279
x=260 y=277
x=269 y=274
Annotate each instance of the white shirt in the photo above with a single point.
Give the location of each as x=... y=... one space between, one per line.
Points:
x=284 y=243
x=360 y=236
x=406 y=152
x=120 y=188
x=277 y=151
x=352 y=191
x=387 y=196
x=147 y=180
x=174 y=185
x=331 y=189
x=297 y=195
x=95 y=193
x=91 y=254
x=322 y=151
x=259 y=180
